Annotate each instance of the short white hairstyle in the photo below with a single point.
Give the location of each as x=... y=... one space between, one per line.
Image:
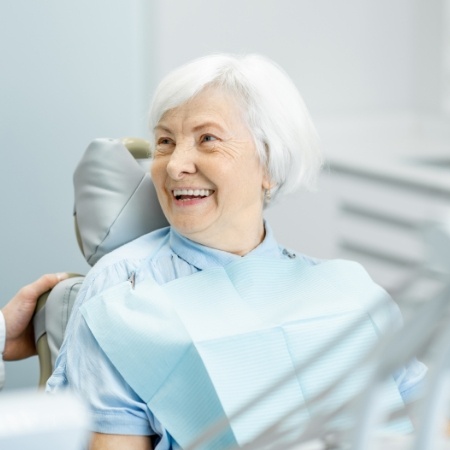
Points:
x=285 y=137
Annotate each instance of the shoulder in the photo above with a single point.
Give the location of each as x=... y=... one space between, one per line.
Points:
x=135 y=250
x=111 y=270
x=352 y=279
x=342 y=272
x=306 y=259
x=350 y=275
x=340 y=269
x=122 y=261
x=117 y=266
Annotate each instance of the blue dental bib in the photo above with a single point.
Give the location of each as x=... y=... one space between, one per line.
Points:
x=199 y=348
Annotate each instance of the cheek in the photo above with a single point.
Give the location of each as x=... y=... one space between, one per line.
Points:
x=157 y=173
x=249 y=174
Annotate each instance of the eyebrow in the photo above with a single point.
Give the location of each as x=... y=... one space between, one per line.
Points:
x=207 y=125
x=163 y=128
x=196 y=128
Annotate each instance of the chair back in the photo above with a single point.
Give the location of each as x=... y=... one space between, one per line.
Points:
x=115 y=202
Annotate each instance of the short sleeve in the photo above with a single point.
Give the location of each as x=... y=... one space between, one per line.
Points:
x=115 y=408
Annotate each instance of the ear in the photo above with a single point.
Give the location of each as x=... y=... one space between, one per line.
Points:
x=267 y=183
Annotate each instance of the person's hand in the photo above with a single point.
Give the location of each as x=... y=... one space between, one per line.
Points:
x=18 y=313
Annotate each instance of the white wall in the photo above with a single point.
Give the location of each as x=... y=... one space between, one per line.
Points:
x=75 y=70
x=70 y=72
x=446 y=56
x=346 y=56
x=430 y=46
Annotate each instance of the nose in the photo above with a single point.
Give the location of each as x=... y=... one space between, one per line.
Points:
x=182 y=161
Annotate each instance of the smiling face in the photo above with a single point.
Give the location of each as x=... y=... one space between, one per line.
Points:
x=207 y=173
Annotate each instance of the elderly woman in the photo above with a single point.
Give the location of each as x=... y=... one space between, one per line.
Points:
x=177 y=330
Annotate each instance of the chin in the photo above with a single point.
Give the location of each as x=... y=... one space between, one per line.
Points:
x=188 y=228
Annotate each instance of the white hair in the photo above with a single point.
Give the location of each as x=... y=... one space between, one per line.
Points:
x=285 y=137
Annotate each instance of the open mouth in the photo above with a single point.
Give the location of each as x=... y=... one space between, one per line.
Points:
x=189 y=194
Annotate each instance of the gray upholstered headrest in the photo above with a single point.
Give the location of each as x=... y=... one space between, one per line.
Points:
x=115 y=200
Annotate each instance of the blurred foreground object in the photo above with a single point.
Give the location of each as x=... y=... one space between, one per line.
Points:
x=31 y=420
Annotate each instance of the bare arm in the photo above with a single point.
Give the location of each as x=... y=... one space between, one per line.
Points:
x=102 y=441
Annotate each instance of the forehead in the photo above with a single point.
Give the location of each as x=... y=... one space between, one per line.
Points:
x=211 y=103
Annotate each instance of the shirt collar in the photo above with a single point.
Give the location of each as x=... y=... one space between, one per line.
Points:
x=204 y=257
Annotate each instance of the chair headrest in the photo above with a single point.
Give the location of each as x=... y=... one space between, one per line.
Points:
x=115 y=200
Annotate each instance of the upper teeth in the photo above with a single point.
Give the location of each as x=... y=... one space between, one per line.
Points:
x=195 y=192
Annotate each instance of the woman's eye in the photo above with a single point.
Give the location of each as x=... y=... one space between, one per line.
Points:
x=208 y=138
x=164 y=146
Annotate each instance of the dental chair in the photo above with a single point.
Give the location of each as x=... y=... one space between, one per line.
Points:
x=115 y=202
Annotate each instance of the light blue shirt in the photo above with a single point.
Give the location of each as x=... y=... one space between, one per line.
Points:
x=165 y=255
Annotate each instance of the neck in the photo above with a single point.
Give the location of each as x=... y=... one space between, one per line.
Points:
x=232 y=241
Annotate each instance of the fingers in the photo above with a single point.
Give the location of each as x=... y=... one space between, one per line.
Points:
x=48 y=281
x=41 y=285
x=18 y=313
